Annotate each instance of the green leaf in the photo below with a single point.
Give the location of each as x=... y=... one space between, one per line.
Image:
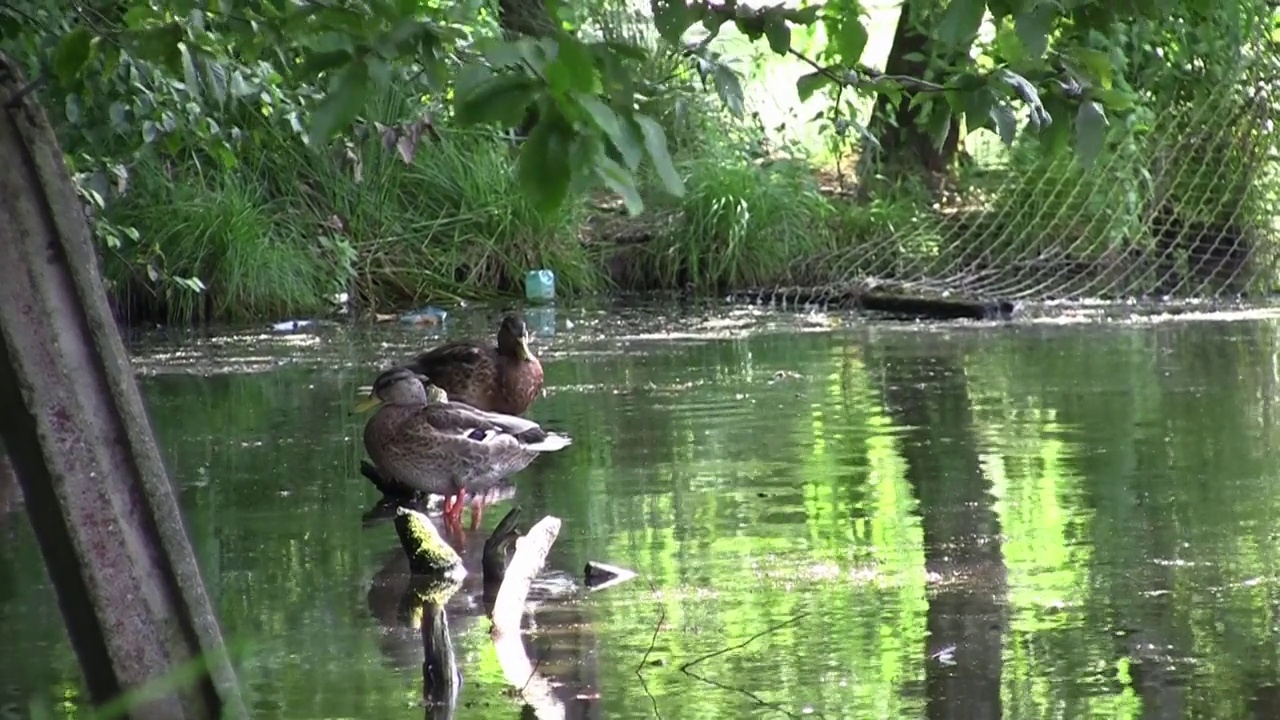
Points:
x=939 y=124
x=1112 y=98
x=1033 y=28
x=810 y=83
x=779 y=35
x=851 y=40
x=1007 y=46
x=960 y=21
x=72 y=54
x=573 y=69
x=1091 y=132
x=73 y=108
x=314 y=63
x=215 y=75
x=803 y=16
x=544 y=168
x=729 y=88
x=150 y=131
x=340 y=106
x=190 y=75
x=621 y=181
x=655 y=142
x=239 y=86
x=672 y=18
x=1006 y=121
x=582 y=162
x=612 y=126
x=976 y=106
x=1096 y=63
x=119 y=115
x=499 y=98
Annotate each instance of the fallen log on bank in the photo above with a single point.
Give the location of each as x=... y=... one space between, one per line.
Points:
x=902 y=302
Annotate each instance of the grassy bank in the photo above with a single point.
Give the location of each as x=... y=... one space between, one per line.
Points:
x=286 y=228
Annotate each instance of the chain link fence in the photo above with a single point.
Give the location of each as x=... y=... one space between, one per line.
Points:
x=1180 y=209
x=1180 y=205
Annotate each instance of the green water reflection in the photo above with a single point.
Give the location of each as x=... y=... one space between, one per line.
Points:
x=1027 y=522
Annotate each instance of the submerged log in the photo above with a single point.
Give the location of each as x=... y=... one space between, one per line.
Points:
x=938 y=308
x=437 y=574
x=428 y=553
x=899 y=303
x=95 y=489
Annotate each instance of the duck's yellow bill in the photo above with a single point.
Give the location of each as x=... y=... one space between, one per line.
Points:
x=368 y=404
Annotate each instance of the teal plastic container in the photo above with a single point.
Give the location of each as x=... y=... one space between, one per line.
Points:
x=540 y=285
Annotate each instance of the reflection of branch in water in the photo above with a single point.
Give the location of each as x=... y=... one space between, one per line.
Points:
x=715 y=683
x=662 y=617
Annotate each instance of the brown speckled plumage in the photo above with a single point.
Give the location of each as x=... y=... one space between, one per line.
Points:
x=503 y=377
x=432 y=445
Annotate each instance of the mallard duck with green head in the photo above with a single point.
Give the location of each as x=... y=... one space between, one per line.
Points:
x=503 y=377
x=420 y=439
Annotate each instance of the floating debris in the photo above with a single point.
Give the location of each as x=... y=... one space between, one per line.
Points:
x=430 y=316
x=600 y=576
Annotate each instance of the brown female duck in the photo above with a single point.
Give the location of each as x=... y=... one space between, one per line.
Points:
x=504 y=377
x=421 y=440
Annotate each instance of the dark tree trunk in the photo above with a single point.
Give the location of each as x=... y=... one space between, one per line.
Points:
x=530 y=18
x=907 y=145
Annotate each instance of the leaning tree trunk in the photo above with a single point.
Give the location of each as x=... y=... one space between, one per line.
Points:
x=907 y=147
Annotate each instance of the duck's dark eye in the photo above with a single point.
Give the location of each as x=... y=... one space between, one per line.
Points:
x=479 y=435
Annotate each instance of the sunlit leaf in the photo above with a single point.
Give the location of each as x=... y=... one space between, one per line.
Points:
x=614 y=128
x=729 y=88
x=1006 y=122
x=190 y=75
x=1094 y=62
x=1091 y=132
x=216 y=77
x=655 y=142
x=341 y=105
x=1112 y=98
x=621 y=181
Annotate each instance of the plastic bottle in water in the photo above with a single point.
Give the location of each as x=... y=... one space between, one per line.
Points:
x=540 y=285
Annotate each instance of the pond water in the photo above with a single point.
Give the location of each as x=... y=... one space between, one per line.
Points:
x=858 y=520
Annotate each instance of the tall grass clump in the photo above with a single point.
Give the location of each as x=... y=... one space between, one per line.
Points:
x=223 y=229
x=451 y=224
x=740 y=223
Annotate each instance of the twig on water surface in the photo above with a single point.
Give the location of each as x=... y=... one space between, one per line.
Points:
x=533 y=673
x=662 y=617
x=715 y=683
